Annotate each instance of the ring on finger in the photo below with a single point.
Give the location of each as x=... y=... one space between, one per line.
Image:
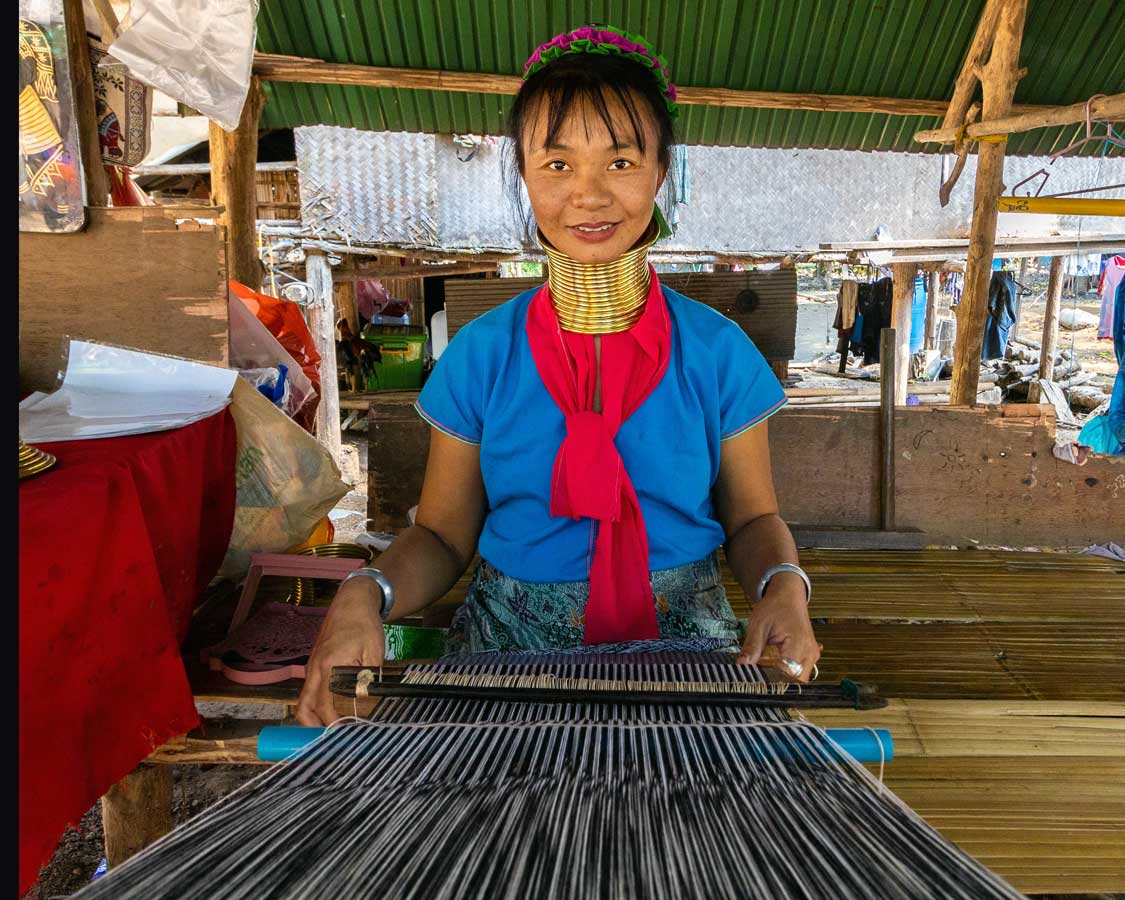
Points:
x=793 y=667
x=815 y=673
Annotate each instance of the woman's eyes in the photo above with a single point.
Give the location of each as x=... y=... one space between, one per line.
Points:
x=557 y=165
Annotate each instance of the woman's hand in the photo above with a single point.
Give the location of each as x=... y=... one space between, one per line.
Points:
x=782 y=619
x=352 y=635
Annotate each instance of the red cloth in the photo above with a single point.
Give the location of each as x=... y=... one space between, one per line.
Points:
x=589 y=478
x=116 y=542
x=285 y=322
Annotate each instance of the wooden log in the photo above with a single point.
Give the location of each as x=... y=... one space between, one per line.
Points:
x=136 y=812
x=887 y=365
x=234 y=155
x=1111 y=108
x=82 y=87
x=901 y=307
x=1050 y=327
x=967 y=78
x=271 y=67
x=322 y=323
x=999 y=84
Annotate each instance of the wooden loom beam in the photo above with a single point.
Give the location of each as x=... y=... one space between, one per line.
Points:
x=271 y=67
x=234 y=155
x=998 y=80
x=136 y=812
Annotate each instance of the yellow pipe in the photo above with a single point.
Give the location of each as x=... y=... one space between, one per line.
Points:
x=1063 y=206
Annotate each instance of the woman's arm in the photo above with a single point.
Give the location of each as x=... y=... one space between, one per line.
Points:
x=422 y=564
x=756 y=539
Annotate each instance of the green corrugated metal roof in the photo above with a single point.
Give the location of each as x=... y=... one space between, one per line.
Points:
x=891 y=48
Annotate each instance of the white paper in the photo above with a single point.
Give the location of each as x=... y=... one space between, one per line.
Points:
x=111 y=391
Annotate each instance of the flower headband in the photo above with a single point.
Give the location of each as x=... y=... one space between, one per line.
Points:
x=607 y=39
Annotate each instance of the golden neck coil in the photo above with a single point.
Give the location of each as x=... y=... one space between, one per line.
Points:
x=600 y=298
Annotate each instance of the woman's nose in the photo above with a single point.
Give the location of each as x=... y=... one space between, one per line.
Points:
x=590 y=192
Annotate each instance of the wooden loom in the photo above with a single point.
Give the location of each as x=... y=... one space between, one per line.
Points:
x=1015 y=751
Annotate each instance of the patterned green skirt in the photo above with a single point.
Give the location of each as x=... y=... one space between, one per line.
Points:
x=502 y=613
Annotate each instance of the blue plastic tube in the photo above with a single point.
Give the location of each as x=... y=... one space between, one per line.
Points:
x=865 y=745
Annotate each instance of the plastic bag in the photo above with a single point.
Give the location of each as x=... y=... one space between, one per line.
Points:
x=285 y=481
x=199 y=52
x=273 y=384
x=254 y=350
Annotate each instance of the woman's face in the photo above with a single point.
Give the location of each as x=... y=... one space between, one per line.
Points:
x=592 y=200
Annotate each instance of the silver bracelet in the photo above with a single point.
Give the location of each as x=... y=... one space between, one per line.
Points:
x=383 y=582
x=764 y=581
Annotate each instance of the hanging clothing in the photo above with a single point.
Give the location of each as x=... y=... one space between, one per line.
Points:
x=873 y=304
x=1106 y=433
x=1001 y=314
x=1112 y=276
x=485 y=390
x=846 y=305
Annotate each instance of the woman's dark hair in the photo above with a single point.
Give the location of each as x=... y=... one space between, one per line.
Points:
x=591 y=81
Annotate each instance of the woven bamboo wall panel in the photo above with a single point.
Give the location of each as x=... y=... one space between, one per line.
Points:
x=769 y=318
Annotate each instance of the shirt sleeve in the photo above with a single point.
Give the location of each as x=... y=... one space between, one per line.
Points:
x=749 y=392
x=453 y=397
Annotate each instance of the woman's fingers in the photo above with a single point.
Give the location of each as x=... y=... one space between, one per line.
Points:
x=307 y=701
x=757 y=633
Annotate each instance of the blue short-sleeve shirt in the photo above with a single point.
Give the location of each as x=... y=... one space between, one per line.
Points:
x=486 y=390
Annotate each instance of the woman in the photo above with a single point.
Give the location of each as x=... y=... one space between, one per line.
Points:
x=598 y=437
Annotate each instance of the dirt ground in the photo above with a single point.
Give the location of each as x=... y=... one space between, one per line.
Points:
x=197 y=787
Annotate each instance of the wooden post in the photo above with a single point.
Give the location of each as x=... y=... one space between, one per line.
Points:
x=998 y=82
x=82 y=85
x=136 y=812
x=234 y=155
x=933 y=288
x=1021 y=279
x=901 y=309
x=887 y=343
x=1050 y=328
x=322 y=324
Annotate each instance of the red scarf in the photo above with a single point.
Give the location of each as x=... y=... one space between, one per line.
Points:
x=589 y=478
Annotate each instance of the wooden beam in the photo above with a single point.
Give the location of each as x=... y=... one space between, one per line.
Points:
x=1062 y=206
x=1010 y=121
x=902 y=303
x=998 y=80
x=315 y=71
x=416 y=271
x=136 y=812
x=234 y=155
x=322 y=324
x=204 y=168
x=968 y=77
x=1050 y=329
x=82 y=87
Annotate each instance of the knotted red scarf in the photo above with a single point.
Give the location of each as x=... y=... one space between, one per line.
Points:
x=589 y=478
